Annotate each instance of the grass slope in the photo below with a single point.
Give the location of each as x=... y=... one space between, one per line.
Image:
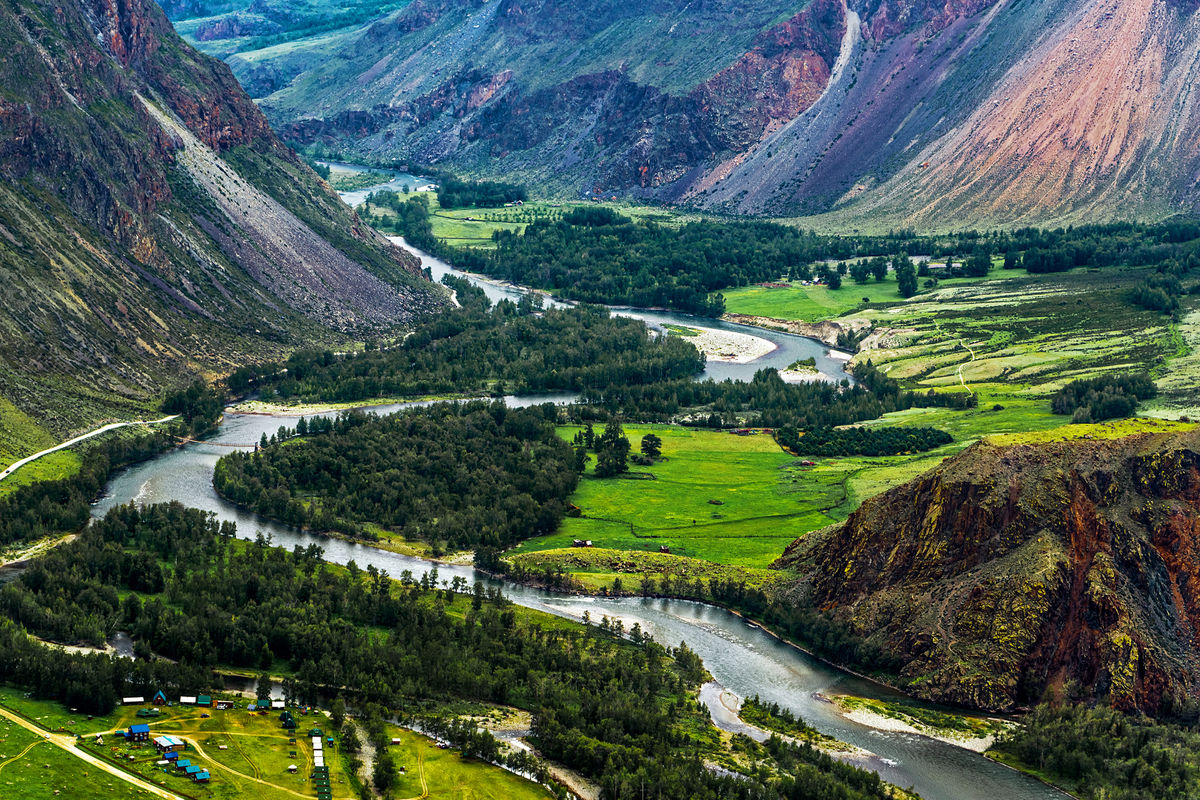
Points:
x=445 y=775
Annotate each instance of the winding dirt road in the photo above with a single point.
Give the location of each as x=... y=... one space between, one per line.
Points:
x=16 y=465
x=66 y=741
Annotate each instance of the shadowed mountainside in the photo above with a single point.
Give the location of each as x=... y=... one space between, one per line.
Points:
x=152 y=226
x=885 y=111
x=1011 y=571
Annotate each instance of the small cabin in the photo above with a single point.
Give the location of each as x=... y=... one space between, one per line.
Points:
x=187 y=700
x=204 y=700
x=132 y=701
x=160 y=699
x=138 y=733
x=169 y=744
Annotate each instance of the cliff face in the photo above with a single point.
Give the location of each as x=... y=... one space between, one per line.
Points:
x=152 y=226
x=1011 y=571
x=594 y=96
x=956 y=112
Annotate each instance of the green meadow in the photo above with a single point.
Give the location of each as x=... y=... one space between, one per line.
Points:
x=714 y=496
x=438 y=774
x=33 y=769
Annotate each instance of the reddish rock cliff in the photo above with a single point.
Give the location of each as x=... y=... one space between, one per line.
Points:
x=1013 y=571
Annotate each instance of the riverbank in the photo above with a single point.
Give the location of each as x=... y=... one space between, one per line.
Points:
x=729 y=347
x=976 y=734
x=265 y=409
x=826 y=331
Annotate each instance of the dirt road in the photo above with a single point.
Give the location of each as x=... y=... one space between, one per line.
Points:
x=66 y=741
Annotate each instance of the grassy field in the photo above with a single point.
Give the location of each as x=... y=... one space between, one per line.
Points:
x=34 y=769
x=438 y=774
x=767 y=499
x=19 y=434
x=473 y=227
x=818 y=302
x=809 y=303
x=715 y=496
x=50 y=467
x=253 y=764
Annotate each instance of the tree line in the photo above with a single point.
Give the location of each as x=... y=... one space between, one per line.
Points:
x=474 y=350
x=595 y=254
x=766 y=400
x=452 y=474
x=859 y=441
x=1103 y=397
x=619 y=709
x=1103 y=754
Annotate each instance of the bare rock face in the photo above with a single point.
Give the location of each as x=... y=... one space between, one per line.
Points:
x=947 y=113
x=1009 y=572
x=124 y=268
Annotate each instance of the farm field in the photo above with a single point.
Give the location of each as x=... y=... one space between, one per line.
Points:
x=767 y=500
x=437 y=774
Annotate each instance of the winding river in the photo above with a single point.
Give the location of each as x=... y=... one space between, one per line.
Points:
x=741 y=657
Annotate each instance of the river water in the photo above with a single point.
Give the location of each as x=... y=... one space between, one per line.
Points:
x=741 y=657
x=789 y=348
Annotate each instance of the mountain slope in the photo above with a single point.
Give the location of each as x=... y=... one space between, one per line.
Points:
x=152 y=226
x=893 y=111
x=1013 y=570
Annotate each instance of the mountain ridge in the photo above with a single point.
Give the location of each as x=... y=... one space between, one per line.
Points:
x=959 y=113
x=126 y=273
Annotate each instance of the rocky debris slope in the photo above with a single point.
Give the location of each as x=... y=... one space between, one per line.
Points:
x=948 y=113
x=127 y=263
x=1013 y=571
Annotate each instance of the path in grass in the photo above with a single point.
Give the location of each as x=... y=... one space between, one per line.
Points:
x=214 y=762
x=20 y=755
x=67 y=742
x=13 y=467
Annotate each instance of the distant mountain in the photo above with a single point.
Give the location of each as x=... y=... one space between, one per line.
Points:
x=893 y=111
x=1012 y=572
x=152 y=227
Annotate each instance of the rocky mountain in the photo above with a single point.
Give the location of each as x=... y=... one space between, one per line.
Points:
x=1014 y=571
x=152 y=227
x=893 y=111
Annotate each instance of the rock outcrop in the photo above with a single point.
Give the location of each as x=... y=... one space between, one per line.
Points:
x=1015 y=571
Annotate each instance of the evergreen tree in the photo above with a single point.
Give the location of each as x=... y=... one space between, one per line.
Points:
x=612 y=451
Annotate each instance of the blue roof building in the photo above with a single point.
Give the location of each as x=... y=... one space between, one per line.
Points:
x=139 y=733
